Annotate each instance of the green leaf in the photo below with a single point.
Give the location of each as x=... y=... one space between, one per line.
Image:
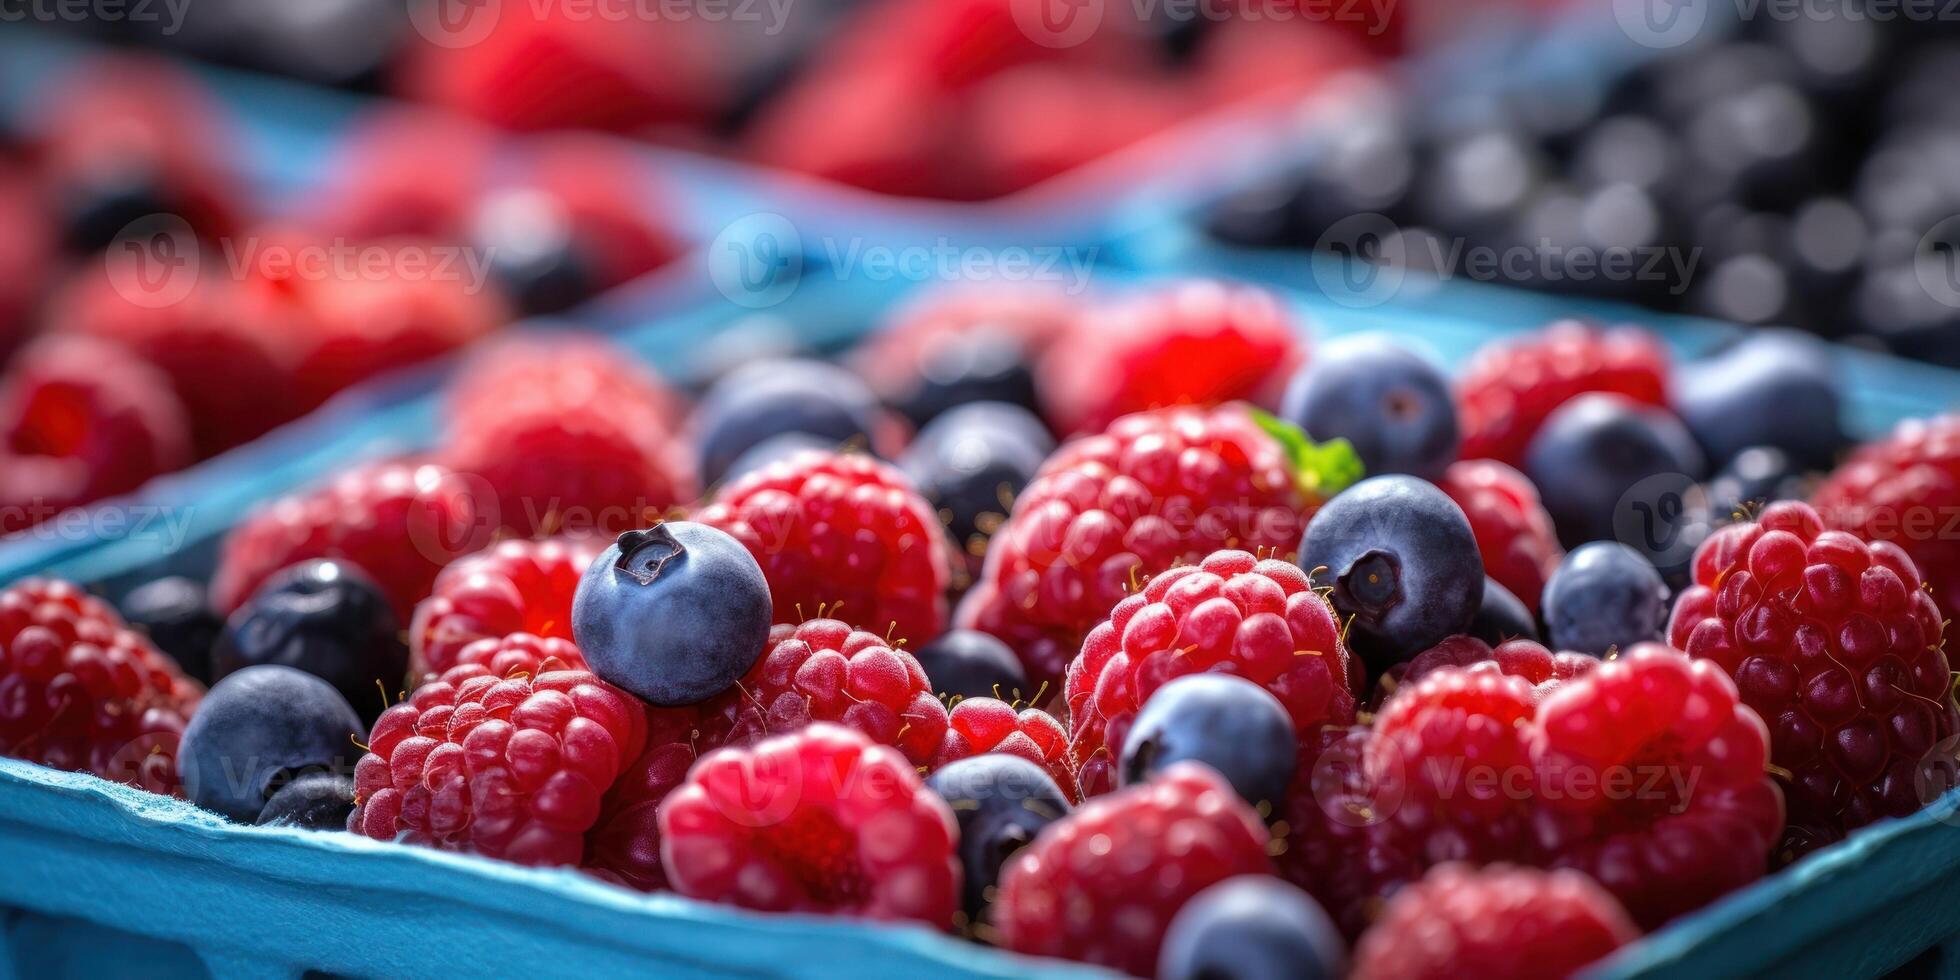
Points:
x=1321 y=469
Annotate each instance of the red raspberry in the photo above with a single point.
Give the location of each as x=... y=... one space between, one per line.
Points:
x=1231 y=613
x=379 y=187
x=80 y=691
x=624 y=846
x=80 y=420
x=1461 y=923
x=230 y=365
x=401 y=522
x=819 y=820
x=977 y=726
x=1905 y=489
x=1651 y=779
x=568 y=436
x=520 y=653
x=1510 y=388
x=1102 y=884
x=846 y=533
x=823 y=670
x=27 y=252
x=510 y=767
x=1836 y=644
x=1514 y=533
x=1341 y=846
x=610 y=202
x=1545 y=670
x=515 y=586
x=1199 y=342
x=1158 y=488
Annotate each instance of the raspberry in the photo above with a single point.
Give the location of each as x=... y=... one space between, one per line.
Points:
x=567 y=437
x=977 y=726
x=823 y=670
x=515 y=586
x=842 y=532
x=608 y=200
x=1835 y=643
x=1461 y=922
x=1102 y=884
x=1650 y=778
x=80 y=691
x=229 y=362
x=1481 y=717
x=1199 y=342
x=1542 y=668
x=401 y=522
x=624 y=846
x=27 y=251
x=1341 y=846
x=1510 y=388
x=1232 y=613
x=1515 y=535
x=1158 y=488
x=378 y=185
x=820 y=820
x=520 y=653
x=91 y=420
x=510 y=767
x=1905 y=489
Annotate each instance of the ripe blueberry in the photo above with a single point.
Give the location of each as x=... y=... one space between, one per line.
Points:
x=1775 y=388
x=324 y=617
x=1390 y=403
x=768 y=398
x=1602 y=458
x=1001 y=803
x=1225 y=722
x=676 y=613
x=978 y=365
x=314 y=801
x=1605 y=595
x=1252 y=927
x=1401 y=560
x=177 y=616
x=972 y=664
x=971 y=462
x=1502 y=616
x=257 y=730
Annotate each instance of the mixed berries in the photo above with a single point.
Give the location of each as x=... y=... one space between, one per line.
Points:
x=1195 y=689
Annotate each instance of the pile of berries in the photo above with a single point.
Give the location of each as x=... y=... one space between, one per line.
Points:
x=1293 y=660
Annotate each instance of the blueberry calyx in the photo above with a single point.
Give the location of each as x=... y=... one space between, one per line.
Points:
x=633 y=545
x=1374 y=583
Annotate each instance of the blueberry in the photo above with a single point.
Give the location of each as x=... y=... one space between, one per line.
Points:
x=257 y=730
x=1502 y=616
x=324 y=617
x=977 y=365
x=533 y=254
x=1605 y=595
x=1252 y=927
x=315 y=801
x=1001 y=803
x=1225 y=722
x=773 y=449
x=178 y=618
x=98 y=204
x=972 y=664
x=971 y=462
x=1390 y=403
x=1776 y=388
x=1602 y=459
x=763 y=399
x=1756 y=476
x=676 y=613
x=1401 y=560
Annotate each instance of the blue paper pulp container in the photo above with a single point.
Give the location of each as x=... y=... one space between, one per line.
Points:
x=101 y=879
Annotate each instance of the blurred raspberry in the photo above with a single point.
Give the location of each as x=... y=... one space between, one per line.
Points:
x=379 y=184
x=1198 y=342
x=27 y=252
x=1460 y=923
x=81 y=420
x=1905 y=488
x=1510 y=387
x=1540 y=667
x=1514 y=533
